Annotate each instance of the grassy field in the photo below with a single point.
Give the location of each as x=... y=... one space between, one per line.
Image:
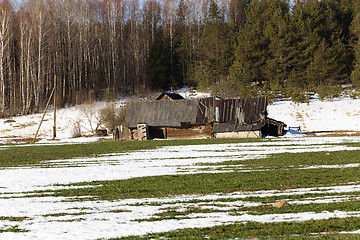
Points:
x=252 y=230
x=278 y=173
x=27 y=155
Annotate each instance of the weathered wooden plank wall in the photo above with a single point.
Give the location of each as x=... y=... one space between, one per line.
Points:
x=248 y=110
x=161 y=113
x=206 y=112
x=186 y=113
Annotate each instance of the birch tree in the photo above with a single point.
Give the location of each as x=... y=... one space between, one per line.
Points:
x=5 y=38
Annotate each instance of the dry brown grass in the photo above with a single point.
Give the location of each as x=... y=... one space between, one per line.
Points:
x=336 y=134
x=25 y=125
x=105 y=140
x=20 y=140
x=299 y=116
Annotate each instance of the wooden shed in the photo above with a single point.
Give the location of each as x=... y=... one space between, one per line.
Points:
x=204 y=117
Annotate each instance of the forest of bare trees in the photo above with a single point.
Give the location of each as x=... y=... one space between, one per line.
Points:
x=98 y=48
x=84 y=47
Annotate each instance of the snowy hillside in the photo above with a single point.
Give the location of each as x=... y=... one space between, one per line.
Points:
x=335 y=115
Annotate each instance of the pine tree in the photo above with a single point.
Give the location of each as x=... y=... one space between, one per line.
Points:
x=183 y=51
x=213 y=55
x=301 y=47
x=251 y=52
x=355 y=31
x=237 y=12
x=320 y=54
x=158 y=66
x=276 y=30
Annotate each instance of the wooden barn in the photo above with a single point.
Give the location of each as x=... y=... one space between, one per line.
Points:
x=172 y=117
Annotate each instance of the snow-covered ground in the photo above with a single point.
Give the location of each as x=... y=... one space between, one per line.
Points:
x=341 y=114
x=54 y=218
x=97 y=219
x=68 y=121
x=336 y=115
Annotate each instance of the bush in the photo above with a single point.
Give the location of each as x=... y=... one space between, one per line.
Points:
x=353 y=94
x=90 y=112
x=231 y=88
x=328 y=91
x=76 y=130
x=108 y=95
x=298 y=96
x=112 y=117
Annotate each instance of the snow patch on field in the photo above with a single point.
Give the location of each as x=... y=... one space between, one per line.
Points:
x=60 y=218
x=335 y=115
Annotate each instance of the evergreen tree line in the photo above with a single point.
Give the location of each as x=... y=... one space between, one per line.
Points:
x=97 y=48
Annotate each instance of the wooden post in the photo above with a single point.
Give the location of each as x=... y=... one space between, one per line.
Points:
x=42 y=119
x=165 y=132
x=116 y=133
x=143 y=133
x=54 y=127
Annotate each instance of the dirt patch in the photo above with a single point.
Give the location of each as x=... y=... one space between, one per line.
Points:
x=280 y=204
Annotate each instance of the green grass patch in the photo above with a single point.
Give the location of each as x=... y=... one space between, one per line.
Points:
x=304 y=196
x=206 y=183
x=70 y=220
x=320 y=229
x=65 y=214
x=14 y=219
x=29 y=155
x=265 y=200
x=293 y=160
x=298 y=208
x=12 y=229
x=119 y=211
x=174 y=213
